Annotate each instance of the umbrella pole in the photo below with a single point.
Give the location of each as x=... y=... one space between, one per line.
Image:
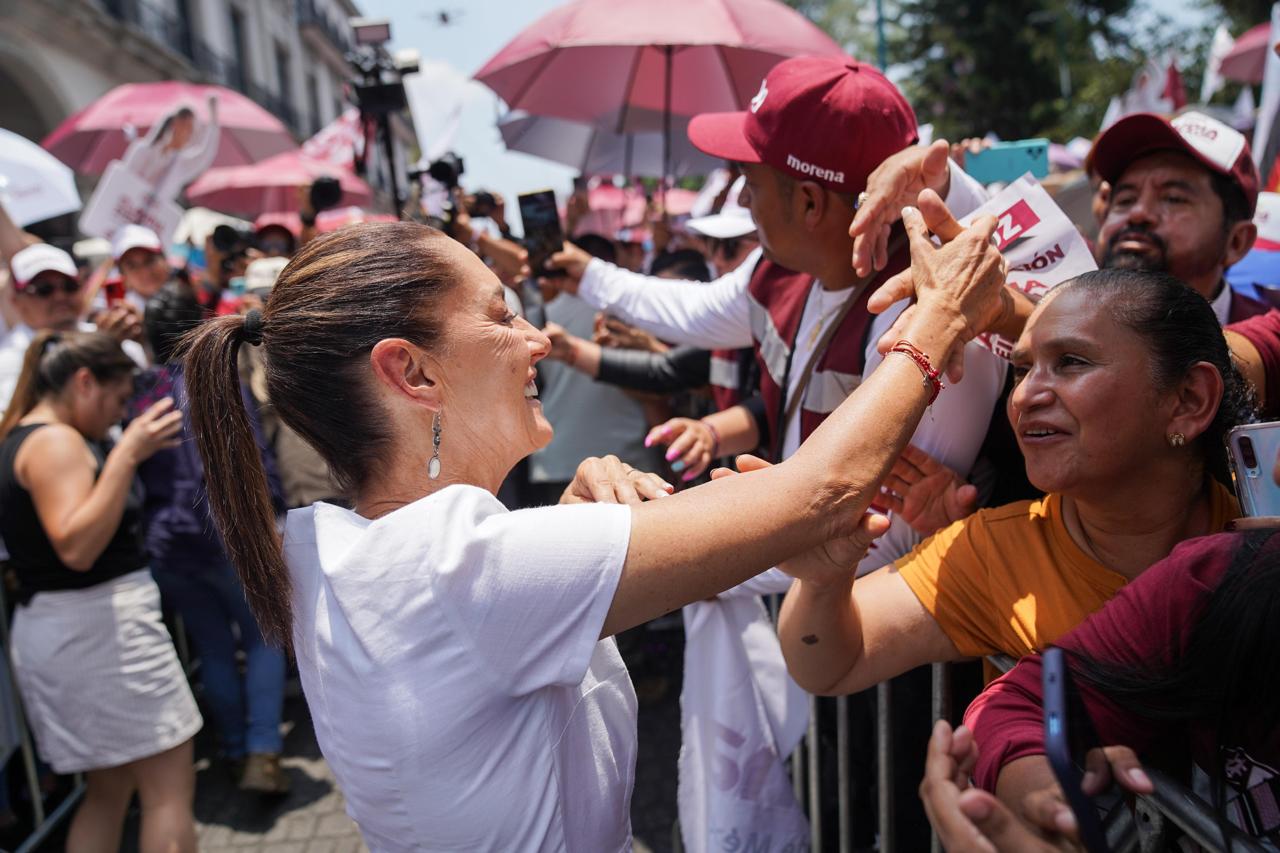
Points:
x=666 y=129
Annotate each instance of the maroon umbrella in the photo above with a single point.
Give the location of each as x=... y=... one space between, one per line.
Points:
x=629 y=66
x=1247 y=60
x=93 y=137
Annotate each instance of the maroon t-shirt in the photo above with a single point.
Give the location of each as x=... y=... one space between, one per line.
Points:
x=1263 y=331
x=1150 y=619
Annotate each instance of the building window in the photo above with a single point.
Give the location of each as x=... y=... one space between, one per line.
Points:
x=283 y=78
x=239 y=67
x=313 y=102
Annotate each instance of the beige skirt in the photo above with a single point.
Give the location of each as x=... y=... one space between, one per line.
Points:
x=99 y=677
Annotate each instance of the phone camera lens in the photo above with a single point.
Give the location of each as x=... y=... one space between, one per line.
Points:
x=1246 y=450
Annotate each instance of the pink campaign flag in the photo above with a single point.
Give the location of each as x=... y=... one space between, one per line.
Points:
x=339 y=142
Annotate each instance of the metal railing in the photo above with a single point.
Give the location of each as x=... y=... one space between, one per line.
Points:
x=43 y=822
x=174 y=33
x=309 y=15
x=1155 y=823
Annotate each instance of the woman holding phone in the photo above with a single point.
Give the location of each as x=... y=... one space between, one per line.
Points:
x=458 y=657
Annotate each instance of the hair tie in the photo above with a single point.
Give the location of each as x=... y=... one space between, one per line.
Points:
x=251 y=333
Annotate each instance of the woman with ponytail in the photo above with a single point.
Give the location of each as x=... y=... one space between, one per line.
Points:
x=457 y=657
x=96 y=667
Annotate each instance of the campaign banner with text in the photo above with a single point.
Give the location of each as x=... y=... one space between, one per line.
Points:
x=1042 y=246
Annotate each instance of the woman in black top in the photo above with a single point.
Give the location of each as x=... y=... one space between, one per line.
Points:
x=96 y=668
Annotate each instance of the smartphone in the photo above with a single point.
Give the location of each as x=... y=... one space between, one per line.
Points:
x=113 y=290
x=1068 y=736
x=543 y=234
x=1254 y=449
x=1004 y=162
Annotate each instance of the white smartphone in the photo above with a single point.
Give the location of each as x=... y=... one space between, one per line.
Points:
x=1254 y=450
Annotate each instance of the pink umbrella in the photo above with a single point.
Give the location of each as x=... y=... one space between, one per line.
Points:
x=271 y=185
x=93 y=137
x=1248 y=57
x=629 y=67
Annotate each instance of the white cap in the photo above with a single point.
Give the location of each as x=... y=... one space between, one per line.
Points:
x=260 y=276
x=733 y=220
x=135 y=237
x=38 y=258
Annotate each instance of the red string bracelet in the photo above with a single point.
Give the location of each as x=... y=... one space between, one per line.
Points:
x=932 y=379
x=715 y=439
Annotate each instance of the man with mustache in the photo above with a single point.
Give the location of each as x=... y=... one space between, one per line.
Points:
x=1182 y=199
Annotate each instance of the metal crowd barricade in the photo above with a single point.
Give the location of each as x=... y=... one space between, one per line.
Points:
x=1156 y=822
x=43 y=822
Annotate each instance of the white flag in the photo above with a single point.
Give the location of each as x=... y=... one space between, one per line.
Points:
x=1219 y=48
x=1264 y=147
x=1244 y=109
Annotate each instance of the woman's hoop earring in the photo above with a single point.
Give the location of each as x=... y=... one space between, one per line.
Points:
x=433 y=467
x=1177 y=439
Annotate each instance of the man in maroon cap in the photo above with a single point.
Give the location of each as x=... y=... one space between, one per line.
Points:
x=813 y=134
x=1182 y=198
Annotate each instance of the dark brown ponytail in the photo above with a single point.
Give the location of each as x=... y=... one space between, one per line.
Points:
x=52 y=359
x=340 y=295
x=236 y=479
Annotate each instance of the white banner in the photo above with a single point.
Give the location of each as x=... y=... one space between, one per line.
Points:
x=123 y=198
x=1043 y=247
x=741 y=716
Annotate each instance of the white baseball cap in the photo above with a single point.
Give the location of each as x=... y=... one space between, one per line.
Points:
x=135 y=237
x=733 y=220
x=38 y=258
x=260 y=276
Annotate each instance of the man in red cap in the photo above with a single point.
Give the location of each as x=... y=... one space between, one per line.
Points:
x=1182 y=198
x=797 y=300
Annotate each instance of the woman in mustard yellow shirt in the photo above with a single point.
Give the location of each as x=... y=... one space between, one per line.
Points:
x=1124 y=393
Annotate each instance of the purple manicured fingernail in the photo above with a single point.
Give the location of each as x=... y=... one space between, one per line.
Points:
x=687 y=477
x=648 y=441
x=672 y=454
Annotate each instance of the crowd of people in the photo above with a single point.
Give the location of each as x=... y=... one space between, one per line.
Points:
x=441 y=482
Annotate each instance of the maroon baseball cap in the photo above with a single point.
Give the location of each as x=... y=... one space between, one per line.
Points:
x=1219 y=148
x=824 y=119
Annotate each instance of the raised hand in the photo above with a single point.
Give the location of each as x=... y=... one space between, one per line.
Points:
x=896 y=183
x=692 y=445
x=154 y=430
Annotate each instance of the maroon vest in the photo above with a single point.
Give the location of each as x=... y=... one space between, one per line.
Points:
x=1244 y=307
x=777 y=297
x=724 y=379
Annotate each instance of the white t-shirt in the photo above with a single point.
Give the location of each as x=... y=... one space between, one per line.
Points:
x=450 y=655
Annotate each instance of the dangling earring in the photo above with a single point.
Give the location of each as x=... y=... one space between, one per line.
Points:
x=433 y=467
x=1177 y=439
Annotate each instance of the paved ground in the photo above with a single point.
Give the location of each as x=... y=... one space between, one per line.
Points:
x=311 y=819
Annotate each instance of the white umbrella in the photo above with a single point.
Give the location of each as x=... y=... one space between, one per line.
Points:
x=34 y=185
x=593 y=151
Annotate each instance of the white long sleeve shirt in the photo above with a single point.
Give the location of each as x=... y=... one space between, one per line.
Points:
x=717 y=315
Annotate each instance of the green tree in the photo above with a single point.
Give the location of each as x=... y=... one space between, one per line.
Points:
x=973 y=66
x=1242 y=14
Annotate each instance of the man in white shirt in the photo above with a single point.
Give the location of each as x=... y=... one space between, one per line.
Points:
x=47 y=295
x=800 y=188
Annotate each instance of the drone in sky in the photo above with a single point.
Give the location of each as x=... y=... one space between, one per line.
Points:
x=445 y=17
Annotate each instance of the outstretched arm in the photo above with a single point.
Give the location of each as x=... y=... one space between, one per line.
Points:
x=698 y=543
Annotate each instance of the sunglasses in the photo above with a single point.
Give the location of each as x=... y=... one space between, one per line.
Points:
x=729 y=246
x=43 y=288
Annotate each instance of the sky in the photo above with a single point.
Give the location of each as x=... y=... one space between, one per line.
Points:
x=478 y=30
